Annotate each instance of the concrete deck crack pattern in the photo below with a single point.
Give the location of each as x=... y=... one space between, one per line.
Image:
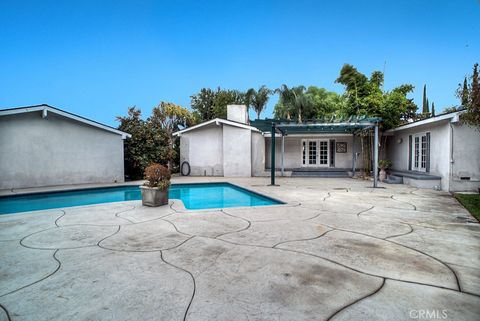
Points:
x=40 y=280
x=193 y=281
x=412 y=205
x=6 y=312
x=357 y=301
x=386 y=238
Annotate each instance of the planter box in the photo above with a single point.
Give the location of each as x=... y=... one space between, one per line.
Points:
x=152 y=196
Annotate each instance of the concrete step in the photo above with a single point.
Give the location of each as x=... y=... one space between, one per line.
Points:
x=330 y=174
x=392 y=179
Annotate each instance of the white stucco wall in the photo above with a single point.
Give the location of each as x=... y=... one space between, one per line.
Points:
x=293 y=151
x=439 y=149
x=203 y=149
x=237 y=153
x=258 y=154
x=465 y=158
x=56 y=151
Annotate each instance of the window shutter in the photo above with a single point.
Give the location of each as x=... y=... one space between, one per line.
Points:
x=410 y=152
x=427 y=165
x=332 y=153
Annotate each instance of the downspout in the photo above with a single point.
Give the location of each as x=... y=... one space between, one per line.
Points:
x=283 y=152
x=452 y=160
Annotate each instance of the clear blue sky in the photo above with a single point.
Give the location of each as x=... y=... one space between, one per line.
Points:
x=96 y=58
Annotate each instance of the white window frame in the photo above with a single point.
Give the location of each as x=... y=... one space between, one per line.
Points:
x=419 y=168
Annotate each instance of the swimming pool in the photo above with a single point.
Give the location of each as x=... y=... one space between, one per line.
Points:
x=194 y=197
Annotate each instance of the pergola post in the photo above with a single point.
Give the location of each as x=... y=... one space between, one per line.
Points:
x=272 y=170
x=283 y=152
x=375 y=157
x=353 y=156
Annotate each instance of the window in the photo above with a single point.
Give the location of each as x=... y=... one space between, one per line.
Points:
x=323 y=153
x=312 y=152
x=423 y=163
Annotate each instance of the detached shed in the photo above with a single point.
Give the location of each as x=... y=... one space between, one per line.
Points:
x=44 y=146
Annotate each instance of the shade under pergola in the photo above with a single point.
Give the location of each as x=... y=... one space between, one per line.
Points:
x=332 y=125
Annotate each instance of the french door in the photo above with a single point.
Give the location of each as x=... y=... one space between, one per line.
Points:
x=419 y=153
x=315 y=152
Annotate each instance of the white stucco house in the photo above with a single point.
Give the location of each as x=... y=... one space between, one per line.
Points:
x=437 y=152
x=44 y=146
x=440 y=147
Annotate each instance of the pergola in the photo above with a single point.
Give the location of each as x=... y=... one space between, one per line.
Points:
x=333 y=125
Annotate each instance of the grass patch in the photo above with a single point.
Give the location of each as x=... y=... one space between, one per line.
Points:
x=471 y=203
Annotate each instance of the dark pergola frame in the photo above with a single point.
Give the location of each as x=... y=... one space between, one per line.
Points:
x=329 y=126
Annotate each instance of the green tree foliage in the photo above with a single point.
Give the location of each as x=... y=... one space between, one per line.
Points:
x=470 y=99
x=302 y=104
x=151 y=139
x=258 y=99
x=166 y=118
x=425 y=109
x=364 y=96
x=291 y=102
x=433 y=109
x=209 y=104
x=325 y=103
x=464 y=93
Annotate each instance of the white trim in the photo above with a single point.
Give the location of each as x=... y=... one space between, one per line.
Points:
x=307 y=135
x=217 y=122
x=453 y=116
x=317 y=152
x=45 y=109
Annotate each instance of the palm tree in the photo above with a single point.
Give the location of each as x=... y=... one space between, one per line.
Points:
x=258 y=99
x=294 y=100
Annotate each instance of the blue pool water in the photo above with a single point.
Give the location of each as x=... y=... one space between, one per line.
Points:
x=193 y=196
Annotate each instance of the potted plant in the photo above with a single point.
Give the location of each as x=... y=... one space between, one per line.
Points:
x=155 y=189
x=384 y=164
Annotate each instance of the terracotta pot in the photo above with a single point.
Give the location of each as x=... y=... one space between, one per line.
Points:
x=153 y=196
x=383 y=175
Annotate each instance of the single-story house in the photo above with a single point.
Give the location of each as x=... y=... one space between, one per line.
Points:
x=44 y=146
x=437 y=152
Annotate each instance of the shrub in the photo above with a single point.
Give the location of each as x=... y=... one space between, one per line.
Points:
x=385 y=163
x=157 y=176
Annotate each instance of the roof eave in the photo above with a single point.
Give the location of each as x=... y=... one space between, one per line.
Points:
x=47 y=108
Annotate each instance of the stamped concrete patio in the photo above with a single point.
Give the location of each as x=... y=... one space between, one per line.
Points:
x=338 y=250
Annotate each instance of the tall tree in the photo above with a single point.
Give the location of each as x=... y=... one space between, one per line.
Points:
x=167 y=117
x=292 y=102
x=209 y=104
x=202 y=104
x=472 y=113
x=464 y=95
x=146 y=146
x=433 y=109
x=475 y=96
x=425 y=101
x=258 y=99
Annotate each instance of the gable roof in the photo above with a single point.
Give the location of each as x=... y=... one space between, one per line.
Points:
x=217 y=121
x=452 y=116
x=45 y=109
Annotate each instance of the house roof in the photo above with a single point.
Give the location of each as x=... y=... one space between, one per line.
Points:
x=45 y=109
x=452 y=116
x=324 y=125
x=217 y=121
